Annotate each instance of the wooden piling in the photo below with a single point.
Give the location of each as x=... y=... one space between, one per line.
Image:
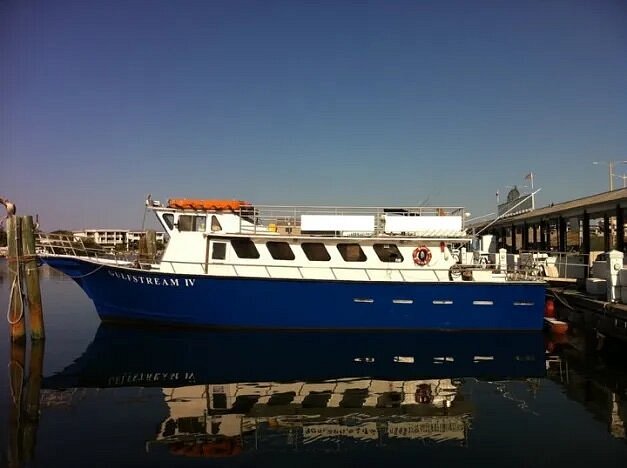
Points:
x=33 y=291
x=148 y=246
x=151 y=245
x=16 y=304
x=32 y=399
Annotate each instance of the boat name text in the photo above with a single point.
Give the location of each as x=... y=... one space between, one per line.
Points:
x=152 y=378
x=153 y=281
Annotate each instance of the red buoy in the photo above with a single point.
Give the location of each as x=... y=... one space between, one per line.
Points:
x=549 y=308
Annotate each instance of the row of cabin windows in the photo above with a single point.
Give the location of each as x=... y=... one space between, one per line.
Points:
x=314 y=251
x=192 y=223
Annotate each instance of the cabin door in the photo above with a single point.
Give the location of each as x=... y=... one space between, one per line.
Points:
x=216 y=252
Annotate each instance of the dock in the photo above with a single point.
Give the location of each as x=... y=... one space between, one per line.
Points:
x=578 y=246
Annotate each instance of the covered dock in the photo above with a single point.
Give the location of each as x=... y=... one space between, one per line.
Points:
x=564 y=226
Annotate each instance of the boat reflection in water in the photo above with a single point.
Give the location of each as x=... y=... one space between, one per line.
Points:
x=233 y=391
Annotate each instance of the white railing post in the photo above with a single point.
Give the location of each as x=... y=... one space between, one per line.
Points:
x=614 y=265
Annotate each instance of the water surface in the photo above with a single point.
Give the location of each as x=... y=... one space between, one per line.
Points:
x=128 y=396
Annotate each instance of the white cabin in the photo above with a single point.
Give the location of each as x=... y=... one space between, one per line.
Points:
x=222 y=238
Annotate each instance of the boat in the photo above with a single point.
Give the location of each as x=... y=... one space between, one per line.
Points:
x=232 y=264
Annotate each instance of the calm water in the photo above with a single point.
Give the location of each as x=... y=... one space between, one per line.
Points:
x=122 y=396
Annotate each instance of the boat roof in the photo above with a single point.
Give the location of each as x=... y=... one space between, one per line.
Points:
x=207 y=205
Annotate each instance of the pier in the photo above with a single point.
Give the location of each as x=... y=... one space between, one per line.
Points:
x=583 y=262
x=563 y=226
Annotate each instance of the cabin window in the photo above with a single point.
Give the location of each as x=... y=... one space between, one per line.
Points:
x=388 y=253
x=244 y=248
x=351 y=252
x=215 y=224
x=168 y=219
x=316 y=251
x=201 y=224
x=192 y=223
x=280 y=250
x=219 y=251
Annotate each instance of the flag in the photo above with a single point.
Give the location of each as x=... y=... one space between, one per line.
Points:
x=529 y=176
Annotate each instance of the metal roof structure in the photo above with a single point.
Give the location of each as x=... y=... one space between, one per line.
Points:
x=595 y=205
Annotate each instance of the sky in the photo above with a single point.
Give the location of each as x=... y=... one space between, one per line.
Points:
x=376 y=103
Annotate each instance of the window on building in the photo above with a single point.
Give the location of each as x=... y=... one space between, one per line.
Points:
x=244 y=248
x=351 y=252
x=280 y=250
x=215 y=224
x=316 y=251
x=219 y=251
x=388 y=253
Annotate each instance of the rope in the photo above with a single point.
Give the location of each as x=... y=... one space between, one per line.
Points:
x=86 y=274
x=20 y=379
x=26 y=258
x=16 y=280
x=562 y=300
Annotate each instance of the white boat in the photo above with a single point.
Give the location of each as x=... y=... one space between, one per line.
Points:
x=235 y=264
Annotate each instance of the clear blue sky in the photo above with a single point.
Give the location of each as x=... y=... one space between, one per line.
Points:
x=294 y=102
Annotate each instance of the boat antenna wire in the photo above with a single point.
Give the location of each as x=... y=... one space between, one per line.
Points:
x=504 y=214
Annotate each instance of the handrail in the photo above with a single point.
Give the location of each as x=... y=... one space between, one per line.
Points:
x=60 y=244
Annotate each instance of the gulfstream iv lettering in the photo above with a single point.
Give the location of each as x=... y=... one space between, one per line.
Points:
x=152 y=281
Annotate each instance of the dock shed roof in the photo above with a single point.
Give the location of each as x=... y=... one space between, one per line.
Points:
x=595 y=205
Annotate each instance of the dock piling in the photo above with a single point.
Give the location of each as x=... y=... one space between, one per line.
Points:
x=15 y=315
x=148 y=246
x=151 y=244
x=33 y=290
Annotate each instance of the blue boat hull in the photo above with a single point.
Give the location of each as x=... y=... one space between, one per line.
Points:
x=125 y=294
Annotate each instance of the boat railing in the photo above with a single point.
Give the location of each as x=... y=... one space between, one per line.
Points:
x=554 y=264
x=288 y=219
x=464 y=272
x=67 y=244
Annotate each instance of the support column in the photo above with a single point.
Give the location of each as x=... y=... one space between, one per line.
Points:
x=561 y=229
x=543 y=235
x=607 y=229
x=535 y=236
x=525 y=236
x=585 y=241
x=513 y=239
x=503 y=244
x=620 y=229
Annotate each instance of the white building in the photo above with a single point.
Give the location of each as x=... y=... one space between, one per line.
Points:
x=134 y=236
x=113 y=237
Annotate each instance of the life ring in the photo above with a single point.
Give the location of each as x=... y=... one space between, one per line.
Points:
x=422 y=255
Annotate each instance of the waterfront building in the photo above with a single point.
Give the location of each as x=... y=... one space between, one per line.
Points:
x=113 y=237
x=134 y=236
